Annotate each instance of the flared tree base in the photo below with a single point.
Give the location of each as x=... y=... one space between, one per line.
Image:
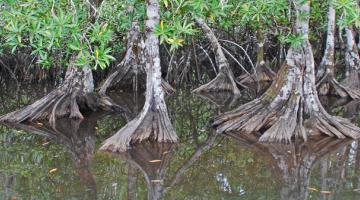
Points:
x=151 y=124
x=281 y=112
x=221 y=83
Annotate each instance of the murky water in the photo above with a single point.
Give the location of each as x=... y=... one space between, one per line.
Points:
x=39 y=162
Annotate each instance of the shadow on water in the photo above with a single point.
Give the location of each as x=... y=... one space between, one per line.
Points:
x=204 y=165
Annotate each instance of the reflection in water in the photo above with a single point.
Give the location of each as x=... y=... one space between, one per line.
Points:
x=294 y=162
x=78 y=137
x=153 y=160
x=203 y=166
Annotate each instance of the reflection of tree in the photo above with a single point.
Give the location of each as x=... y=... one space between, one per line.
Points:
x=224 y=100
x=8 y=181
x=79 y=139
x=153 y=160
x=293 y=162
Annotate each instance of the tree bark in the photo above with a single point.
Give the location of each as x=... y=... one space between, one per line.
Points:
x=153 y=122
x=280 y=112
x=262 y=71
x=72 y=96
x=326 y=71
x=225 y=80
x=352 y=60
x=131 y=66
x=131 y=69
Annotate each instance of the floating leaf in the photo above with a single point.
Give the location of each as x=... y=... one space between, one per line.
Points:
x=53 y=170
x=326 y=192
x=156 y=181
x=313 y=189
x=45 y=143
x=154 y=161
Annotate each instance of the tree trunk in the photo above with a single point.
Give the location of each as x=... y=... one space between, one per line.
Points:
x=281 y=110
x=128 y=70
x=262 y=71
x=72 y=96
x=224 y=81
x=131 y=69
x=352 y=60
x=153 y=122
x=326 y=71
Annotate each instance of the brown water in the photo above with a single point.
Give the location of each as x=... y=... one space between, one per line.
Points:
x=38 y=162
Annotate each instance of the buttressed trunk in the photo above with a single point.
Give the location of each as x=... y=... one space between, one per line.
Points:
x=262 y=71
x=153 y=122
x=131 y=69
x=280 y=112
x=352 y=60
x=131 y=65
x=326 y=71
x=224 y=81
x=72 y=96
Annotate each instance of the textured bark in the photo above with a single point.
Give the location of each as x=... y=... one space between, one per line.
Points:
x=280 y=112
x=132 y=66
x=68 y=100
x=262 y=71
x=326 y=71
x=224 y=81
x=153 y=122
x=131 y=69
x=352 y=60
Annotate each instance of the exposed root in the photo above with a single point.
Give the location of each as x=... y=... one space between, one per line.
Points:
x=328 y=85
x=68 y=100
x=131 y=69
x=279 y=112
x=224 y=81
x=152 y=124
x=221 y=83
x=263 y=74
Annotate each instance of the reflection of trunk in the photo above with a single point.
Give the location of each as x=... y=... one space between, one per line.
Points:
x=263 y=71
x=224 y=81
x=224 y=100
x=153 y=122
x=338 y=174
x=294 y=162
x=8 y=182
x=356 y=181
x=131 y=183
x=323 y=175
x=72 y=96
x=153 y=160
x=79 y=139
x=281 y=110
x=326 y=71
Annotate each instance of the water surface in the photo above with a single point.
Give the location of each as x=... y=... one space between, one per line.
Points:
x=40 y=162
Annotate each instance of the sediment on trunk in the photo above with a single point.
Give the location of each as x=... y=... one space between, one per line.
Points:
x=224 y=80
x=153 y=122
x=326 y=82
x=72 y=97
x=262 y=73
x=280 y=113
